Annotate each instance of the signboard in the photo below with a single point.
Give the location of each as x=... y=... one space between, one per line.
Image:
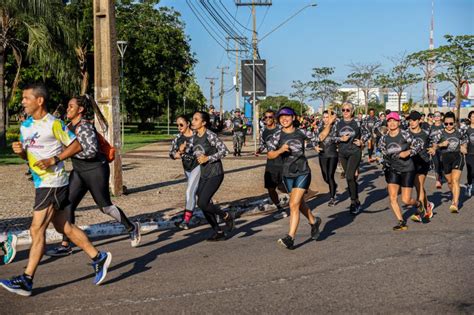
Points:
x=442 y=103
x=260 y=77
x=449 y=97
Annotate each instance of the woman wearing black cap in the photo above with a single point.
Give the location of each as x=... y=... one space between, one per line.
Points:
x=452 y=144
x=289 y=143
x=351 y=136
x=422 y=163
x=398 y=147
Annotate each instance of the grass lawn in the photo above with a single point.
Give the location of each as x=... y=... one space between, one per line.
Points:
x=132 y=141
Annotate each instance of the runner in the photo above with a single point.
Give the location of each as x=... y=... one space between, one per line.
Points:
x=90 y=172
x=328 y=158
x=369 y=124
x=398 y=147
x=436 y=128
x=8 y=245
x=42 y=139
x=180 y=149
x=237 y=133
x=422 y=163
x=273 y=167
x=351 y=136
x=452 y=144
x=470 y=153
x=215 y=120
x=209 y=150
x=289 y=143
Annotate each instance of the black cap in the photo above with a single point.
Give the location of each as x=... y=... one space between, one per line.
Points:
x=211 y=107
x=414 y=115
x=237 y=110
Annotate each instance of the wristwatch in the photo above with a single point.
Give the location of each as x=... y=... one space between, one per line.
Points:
x=56 y=160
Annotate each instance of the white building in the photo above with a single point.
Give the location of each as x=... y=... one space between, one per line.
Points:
x=357 y=95
x=392 y=101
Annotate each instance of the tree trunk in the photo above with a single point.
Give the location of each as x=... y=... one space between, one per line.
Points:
x=458 y=100
x=3 y=103
x=85 y=82
x=399 y=103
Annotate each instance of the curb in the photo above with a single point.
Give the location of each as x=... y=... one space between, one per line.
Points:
x=114 y=229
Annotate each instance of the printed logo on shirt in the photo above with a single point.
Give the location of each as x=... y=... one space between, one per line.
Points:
x=453 y=143
x=347 y=131
x=30 y=142
x=199 y=150
x=393 y=148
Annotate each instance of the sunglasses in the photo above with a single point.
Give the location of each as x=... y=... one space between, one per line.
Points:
x=346 y=110
x=437 y=116
x=181 y=125
x=268 y=117
x=449 y=124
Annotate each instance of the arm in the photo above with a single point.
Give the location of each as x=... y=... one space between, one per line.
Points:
x=174 y=148
x=87 y=137
x=220 y=146
x=71 y=150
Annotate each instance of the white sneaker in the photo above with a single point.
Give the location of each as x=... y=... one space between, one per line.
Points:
x=469 y=191
x=280 y=215
x=135 y=235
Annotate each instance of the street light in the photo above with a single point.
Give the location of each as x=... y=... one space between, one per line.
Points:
x=287 y=20
x=122 y=47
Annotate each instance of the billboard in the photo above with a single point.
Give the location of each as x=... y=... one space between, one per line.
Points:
x=260 y=77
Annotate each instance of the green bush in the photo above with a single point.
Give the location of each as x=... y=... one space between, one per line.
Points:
x=13 y=134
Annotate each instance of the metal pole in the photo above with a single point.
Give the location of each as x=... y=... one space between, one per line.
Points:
x=254 y=106
x=184 y=103
x=168 y=114
x=121 y=101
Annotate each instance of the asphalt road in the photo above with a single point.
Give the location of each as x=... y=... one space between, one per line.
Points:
x=358 y=265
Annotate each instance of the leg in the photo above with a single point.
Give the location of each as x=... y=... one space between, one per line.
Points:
x=273 y=196
x=77 y=191
x=331 y=172
x=406 y=197
x=393 y=196
x=470 y=168
x=296 y=197
x=324 y=165
x=351 y=168
x=455 y=186
x=207 y=189
x=191 y=189
x=39 y=224
x=420 y=189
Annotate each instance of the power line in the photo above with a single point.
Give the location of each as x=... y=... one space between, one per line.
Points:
x=197 y=15
x=234 y=18
x=263 y=19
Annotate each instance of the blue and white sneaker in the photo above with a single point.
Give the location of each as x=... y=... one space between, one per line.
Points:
x=19 y=285
x=9 y=248
x=101 y=266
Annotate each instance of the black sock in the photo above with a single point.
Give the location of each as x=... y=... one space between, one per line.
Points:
x=28 y=278
x=96 y=258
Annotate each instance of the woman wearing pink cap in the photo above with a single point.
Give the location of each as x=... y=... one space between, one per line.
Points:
x=398 y=147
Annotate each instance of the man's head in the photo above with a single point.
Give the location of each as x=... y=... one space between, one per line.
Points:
x=237 y=113
x=371 y=112
x=34 y=98
x=269 y=117
x=211 y=109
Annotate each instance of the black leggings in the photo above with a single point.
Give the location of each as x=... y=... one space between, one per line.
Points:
x=96 y=181
x=328 y=169
x=207 y=188
x=350 y=163
x=438 y=166
x=470 y=168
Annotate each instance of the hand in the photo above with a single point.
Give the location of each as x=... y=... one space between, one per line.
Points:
x=463 y=150
x=344 y=138
x=44 y=164
x=317 y=149
x=257 y=153
x=431 y=151
x=358 y=142
x=404 y=154
x=177 y=155
x=443 y=144
x=182 y=147
x=17 y=148
x=203 y=159
x=285 y=148
x=332 y=117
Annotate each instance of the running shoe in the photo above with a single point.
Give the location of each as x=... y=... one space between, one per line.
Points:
x=401 y=226
x=9 y=248
x=416 y=218
x=217 y=236
x=287 y=242
x=135 y=235
x=421 y=211
x=332 y=202
x=281 y=214
x=429 y=210
x=182 y=225
x=453 y=208
x=60 y=251
x=315 y=228
x=100 y=267
x=469 y=191
x=230 y=221
x=355 y=208
x=19 y=285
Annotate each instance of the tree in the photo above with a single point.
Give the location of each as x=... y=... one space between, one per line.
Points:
x=424 y=61
x=456 y=63
x=48 y=39
x=277 y=102
x=300 y=92
x=399 y=77
x=158 y=62
x=323 y=87
x=363 y=76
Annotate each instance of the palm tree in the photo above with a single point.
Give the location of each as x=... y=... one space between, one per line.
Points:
x=47 y=44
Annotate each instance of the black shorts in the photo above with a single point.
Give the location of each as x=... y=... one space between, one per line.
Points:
x=56 y=196
x=405 y=179
x=422 y=167
x=272 y=179
x=452 y=161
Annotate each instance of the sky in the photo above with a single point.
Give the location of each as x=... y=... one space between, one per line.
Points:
x=335 y=33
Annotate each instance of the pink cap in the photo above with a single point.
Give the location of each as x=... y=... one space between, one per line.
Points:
x=393 y=115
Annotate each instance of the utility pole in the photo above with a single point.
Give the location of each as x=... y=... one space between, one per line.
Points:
x=221 y=93
x=238 y=42
x=211 y=81
x=106 y=80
